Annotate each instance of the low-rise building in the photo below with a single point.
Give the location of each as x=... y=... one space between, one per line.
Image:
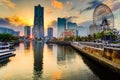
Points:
x=4 y=30
x=69 y=33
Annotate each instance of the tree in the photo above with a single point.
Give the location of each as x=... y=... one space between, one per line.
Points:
x=8 y=38
x=89 y=38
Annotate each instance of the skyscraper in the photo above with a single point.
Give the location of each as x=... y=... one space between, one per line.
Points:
x=71 y=25
x=38 y=30
x=50 y=33
x=27 y=31
x=61 y=26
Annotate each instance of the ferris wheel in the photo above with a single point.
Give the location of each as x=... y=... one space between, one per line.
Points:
x=103 y=17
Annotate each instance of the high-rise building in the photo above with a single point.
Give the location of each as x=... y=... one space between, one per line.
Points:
x=50 y=33
x=71 y=25
x=38 y=30
x=27 y=31
x=61 y=26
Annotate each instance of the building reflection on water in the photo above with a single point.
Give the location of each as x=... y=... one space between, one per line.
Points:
x=27 y=45
x=64 y=54
x=38 y=59
x=50 y=47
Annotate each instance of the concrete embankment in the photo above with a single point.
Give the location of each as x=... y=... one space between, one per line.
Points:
x=100 y=60
x=105 y=62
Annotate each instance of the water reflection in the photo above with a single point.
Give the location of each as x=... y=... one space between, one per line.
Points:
x=64 y=54
x=38 y=59
x=49 y=62
x=102 y=72
x=50 y=46
x=4 y=62
x=27 y=45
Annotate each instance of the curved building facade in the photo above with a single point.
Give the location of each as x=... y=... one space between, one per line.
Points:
x=9 y=31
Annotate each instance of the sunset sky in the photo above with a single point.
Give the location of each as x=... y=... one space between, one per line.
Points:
x=18 y=13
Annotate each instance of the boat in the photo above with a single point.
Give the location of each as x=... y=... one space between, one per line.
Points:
x=5 y=51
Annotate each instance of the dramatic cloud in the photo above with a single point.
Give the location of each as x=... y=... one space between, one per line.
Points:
x=81 y=0
x=14 y=20
x=4 y=21
x=49 y=11
x=86 y=23
x=92 y=4
x=0 y=3
x=53 y=23
x=9 y=3
x=71 y=18
x=72 y=8
x=11 y=23
x=57 y=4
x=116 y=6
x=113 y=4
x=70 y=5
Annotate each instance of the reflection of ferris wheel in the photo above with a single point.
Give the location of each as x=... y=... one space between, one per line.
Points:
x=103 y=17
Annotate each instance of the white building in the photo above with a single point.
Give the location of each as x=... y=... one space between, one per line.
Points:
x=83 y=31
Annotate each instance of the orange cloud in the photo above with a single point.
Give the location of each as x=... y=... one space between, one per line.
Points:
x=17 y=21
x=9 y=3
x=81 y=0
x=0 y=3
x=113 y=4
x=52 y=23
x=69 y=3
x=49 y=11
x=56 y=4
x=109 y=3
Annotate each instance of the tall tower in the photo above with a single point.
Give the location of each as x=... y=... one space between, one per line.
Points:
x=61 y=26
x=38 y=30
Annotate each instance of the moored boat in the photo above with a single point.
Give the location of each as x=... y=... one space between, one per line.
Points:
x=5 y=51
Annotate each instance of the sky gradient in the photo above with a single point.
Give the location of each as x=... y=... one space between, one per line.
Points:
x=19 y=13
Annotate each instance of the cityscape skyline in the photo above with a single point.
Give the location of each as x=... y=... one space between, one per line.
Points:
x=60 y=39
x=18 y=13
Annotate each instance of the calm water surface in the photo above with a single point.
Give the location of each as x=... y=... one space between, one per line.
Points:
x=38 y=61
